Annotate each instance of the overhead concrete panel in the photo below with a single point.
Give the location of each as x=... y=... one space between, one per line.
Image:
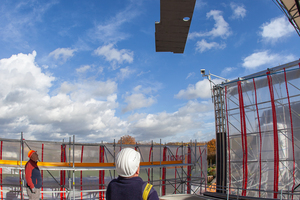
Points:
x=175 y=20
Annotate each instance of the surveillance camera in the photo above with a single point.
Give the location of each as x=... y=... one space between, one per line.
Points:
x=202 y=71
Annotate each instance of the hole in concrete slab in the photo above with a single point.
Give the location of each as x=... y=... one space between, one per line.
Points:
x=186 y=19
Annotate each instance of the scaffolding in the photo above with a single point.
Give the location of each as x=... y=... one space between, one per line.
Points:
x=261 y=114
x=72 y=170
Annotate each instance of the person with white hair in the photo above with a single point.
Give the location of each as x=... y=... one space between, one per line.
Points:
x=128 y=185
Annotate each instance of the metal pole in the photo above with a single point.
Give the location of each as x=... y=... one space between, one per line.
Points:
x=115 y=156
x=74 y=167
x=183 y=160
x=160 y=168
x=152 y=164
x=195 y=153
x=69 y=172
x=21 y=159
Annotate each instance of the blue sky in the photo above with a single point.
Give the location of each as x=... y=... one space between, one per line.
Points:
x=89 y=68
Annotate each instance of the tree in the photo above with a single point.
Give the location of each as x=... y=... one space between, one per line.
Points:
x=127 y=139
x=211 y=147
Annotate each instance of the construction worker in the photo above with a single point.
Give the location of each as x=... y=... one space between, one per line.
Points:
x=33 y=176
x=128 y=185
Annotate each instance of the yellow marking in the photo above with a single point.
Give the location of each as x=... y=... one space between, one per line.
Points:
x=66 y=164
x=147 y=191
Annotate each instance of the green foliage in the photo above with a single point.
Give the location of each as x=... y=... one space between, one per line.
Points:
x=211 y=171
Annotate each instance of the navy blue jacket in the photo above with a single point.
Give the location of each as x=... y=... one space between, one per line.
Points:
x=33 y=175
x=128 y=189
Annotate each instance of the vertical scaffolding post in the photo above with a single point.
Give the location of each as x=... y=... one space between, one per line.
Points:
x=164 y=172
x=74 y=167
x=152 y=163
x=21 y=171
x=189 y=169
x=101 y=173
x=81 y=159
x=114 y=156
x=1 y=188
x=42 y=173
x=183 y=161
x=69 y=172
x=160 y=189
x=221 y=157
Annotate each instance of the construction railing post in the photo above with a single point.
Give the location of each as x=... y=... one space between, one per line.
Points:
x=152 y=164
x=1 y=188
x=69 y=172
x=42 y=173
x=74 y=167
x=81 y=159
x=62 y=172
x=189 y=170
x=21 y=171
x=164 y=172
x=101 y=173
x=160 y=189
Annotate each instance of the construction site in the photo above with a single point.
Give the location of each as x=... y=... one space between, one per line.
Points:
x=257 y=130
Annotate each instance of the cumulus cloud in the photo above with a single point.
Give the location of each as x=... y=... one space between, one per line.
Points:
x=239 y=11
x=62 y=54
x=83 y=109
x=276 y=28
x=200 y=90
x=221 y=27
x=114 y=55
x=203 y=45
x=185 y=121
x=137 y=101
x=265 y=57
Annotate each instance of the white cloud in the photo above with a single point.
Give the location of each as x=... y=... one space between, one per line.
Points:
x=221 y=27
x=109 y=31
x=200 y=90
x=202 y=46
x=239 y=11
x=137 y=101
x=82 y=109
x=17 y=26
x=62 y=53
x=114 y=55
x=83 y=69
x=172 y=126
x=264 y=57
x=276 y=28
x=125 y=73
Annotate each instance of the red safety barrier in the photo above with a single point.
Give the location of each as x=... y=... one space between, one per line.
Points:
x=81 y=159
x=164 y=172
x=101 y=173
x=243 y=138
x=1 y=171
x=189 y=171
x=42 y=172
x=260 y=138
x=276 y=147
x=62 y=172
